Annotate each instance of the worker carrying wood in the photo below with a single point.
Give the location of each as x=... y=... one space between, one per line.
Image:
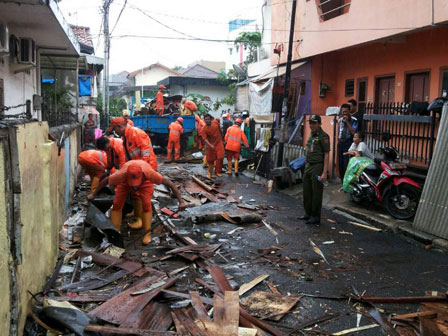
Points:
x=160 y=104
x=211 y=134
x=137 y=178
x=137 y=144
x=233 y=139
x=126 y=115
x=114 y=149
x=94 y=163
x=176 y=130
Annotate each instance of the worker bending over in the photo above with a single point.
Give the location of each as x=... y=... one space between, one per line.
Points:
x=137 y=144
x=233 y=139
x=211 y=134
x=94 y=163
x=126 y=117
x=114 y=149
x=137 y=178
x=176 y=130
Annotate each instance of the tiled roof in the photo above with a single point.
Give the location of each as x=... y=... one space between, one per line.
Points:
x=82 y=34
x=136 y=72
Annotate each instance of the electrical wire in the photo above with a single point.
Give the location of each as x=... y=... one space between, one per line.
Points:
x=119 y=16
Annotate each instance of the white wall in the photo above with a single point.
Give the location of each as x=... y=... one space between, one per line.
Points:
x=152 y=76
x=18 y=87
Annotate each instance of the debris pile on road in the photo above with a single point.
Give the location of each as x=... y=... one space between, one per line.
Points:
x=182 y=284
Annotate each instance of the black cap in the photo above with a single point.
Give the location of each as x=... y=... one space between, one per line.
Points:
x=315 y=118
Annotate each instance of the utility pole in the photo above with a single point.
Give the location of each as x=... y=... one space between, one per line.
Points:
x=106 y=6
x=287 y=81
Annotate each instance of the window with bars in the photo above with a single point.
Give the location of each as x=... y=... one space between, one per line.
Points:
x=349 y=87
x=330 y=9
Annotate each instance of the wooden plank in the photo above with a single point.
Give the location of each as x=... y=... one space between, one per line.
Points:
x=180 y=328
x=85 y=285
x=352 y=330
x=82 y=298
x=367 y=227
x=101 y=259
x=232 y=313
x=155 y=316
x=248 y=286
x=268 y=305
x=126 y=331
x=273 y=289
x=188 y=322
x=422 y=314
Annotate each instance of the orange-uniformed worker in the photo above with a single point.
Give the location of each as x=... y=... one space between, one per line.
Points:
x=114 y=149
x=199 y=126
x=138 y=178
x=137 y=144
x=211 y=134
x=160 y=104
x=126 y=117
x=189 y=108
x=94 y=163
x=233 y=139
x=176 y=130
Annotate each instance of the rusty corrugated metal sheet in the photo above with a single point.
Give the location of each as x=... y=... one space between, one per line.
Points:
x=432 y=213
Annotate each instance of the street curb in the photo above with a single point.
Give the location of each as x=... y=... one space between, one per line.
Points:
x=406 y=230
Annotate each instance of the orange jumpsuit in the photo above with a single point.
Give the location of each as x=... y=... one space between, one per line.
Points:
x=176 y=130
x=145 y=190
x=199 y=126
x=130 y=122
x=116 y=156
x=213 y=135
x=94 y=163
x=234 y=137
x=138 y=146
x=160 y=105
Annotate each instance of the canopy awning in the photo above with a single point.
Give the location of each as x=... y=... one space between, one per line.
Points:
x=276 y=72
x=90 y=110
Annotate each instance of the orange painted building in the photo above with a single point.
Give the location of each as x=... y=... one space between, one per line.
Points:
x=378 y=50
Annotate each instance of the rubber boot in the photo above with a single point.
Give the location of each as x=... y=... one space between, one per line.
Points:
x=115 y=218
x=229 y=168
x=147 y=219
x=204 y=163
x=210 y=170
x=138 y=213
x=94 y=184
x=236 y=168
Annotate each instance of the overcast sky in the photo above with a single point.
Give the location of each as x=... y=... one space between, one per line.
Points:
x=196 y=18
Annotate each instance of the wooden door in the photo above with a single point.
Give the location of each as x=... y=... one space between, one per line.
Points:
x=385 y=89
x=417 y=87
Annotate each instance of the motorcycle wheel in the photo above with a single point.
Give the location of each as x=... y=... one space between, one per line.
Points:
x=356 y=199
x=402 y=202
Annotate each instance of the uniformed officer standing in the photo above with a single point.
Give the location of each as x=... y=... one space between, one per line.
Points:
x=317 y=156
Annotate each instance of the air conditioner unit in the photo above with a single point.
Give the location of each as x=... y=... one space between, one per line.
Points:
x=4 y=40
x=27 y=53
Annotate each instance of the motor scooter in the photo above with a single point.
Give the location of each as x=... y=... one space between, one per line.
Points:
x=385 y=180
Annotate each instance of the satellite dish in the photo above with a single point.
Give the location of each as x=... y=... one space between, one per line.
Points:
x=240 y=71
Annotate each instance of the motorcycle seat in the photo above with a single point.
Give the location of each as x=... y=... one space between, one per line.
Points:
x=373 y=170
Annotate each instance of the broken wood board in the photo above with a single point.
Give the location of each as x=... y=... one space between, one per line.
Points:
x=367 y=227
x=155 y=316
x=269 y=305
x=234 y=218
x=410 y=316
x=126 y=331
x=248 y=286
x=89 y=284
x=352 y=330
x=101 y=259
x=117 y=309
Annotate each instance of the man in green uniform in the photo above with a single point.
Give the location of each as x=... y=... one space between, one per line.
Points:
x=317 y=154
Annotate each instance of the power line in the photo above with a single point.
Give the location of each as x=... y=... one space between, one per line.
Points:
x=119 y=16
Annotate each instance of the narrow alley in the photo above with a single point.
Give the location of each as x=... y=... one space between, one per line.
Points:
x=315 y=292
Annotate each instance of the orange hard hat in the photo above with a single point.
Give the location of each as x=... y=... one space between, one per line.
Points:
x=181 y=120
x=161 y=86
x=190 y=105
x=217 y=119
x=239 y=121
x=116 y=122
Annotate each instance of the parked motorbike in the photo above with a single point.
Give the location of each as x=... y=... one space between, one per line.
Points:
x=385 y=180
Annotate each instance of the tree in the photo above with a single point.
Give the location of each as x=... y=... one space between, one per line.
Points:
x=251 y=40
x=177 y=68
x=227 y=78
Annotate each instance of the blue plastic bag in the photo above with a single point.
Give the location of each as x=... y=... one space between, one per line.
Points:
x=298 y=163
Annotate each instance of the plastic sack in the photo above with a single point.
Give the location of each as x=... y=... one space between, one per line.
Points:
x=355 y=167
x=298 y=163
x=198 y=155
x=98 y=133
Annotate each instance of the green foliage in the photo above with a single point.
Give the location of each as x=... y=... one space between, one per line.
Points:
x=226 y=78
x=177 y=68
x=99 y=103
x=116 y=106
x=251 y=40
x=197 y=99
x=57 y=99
